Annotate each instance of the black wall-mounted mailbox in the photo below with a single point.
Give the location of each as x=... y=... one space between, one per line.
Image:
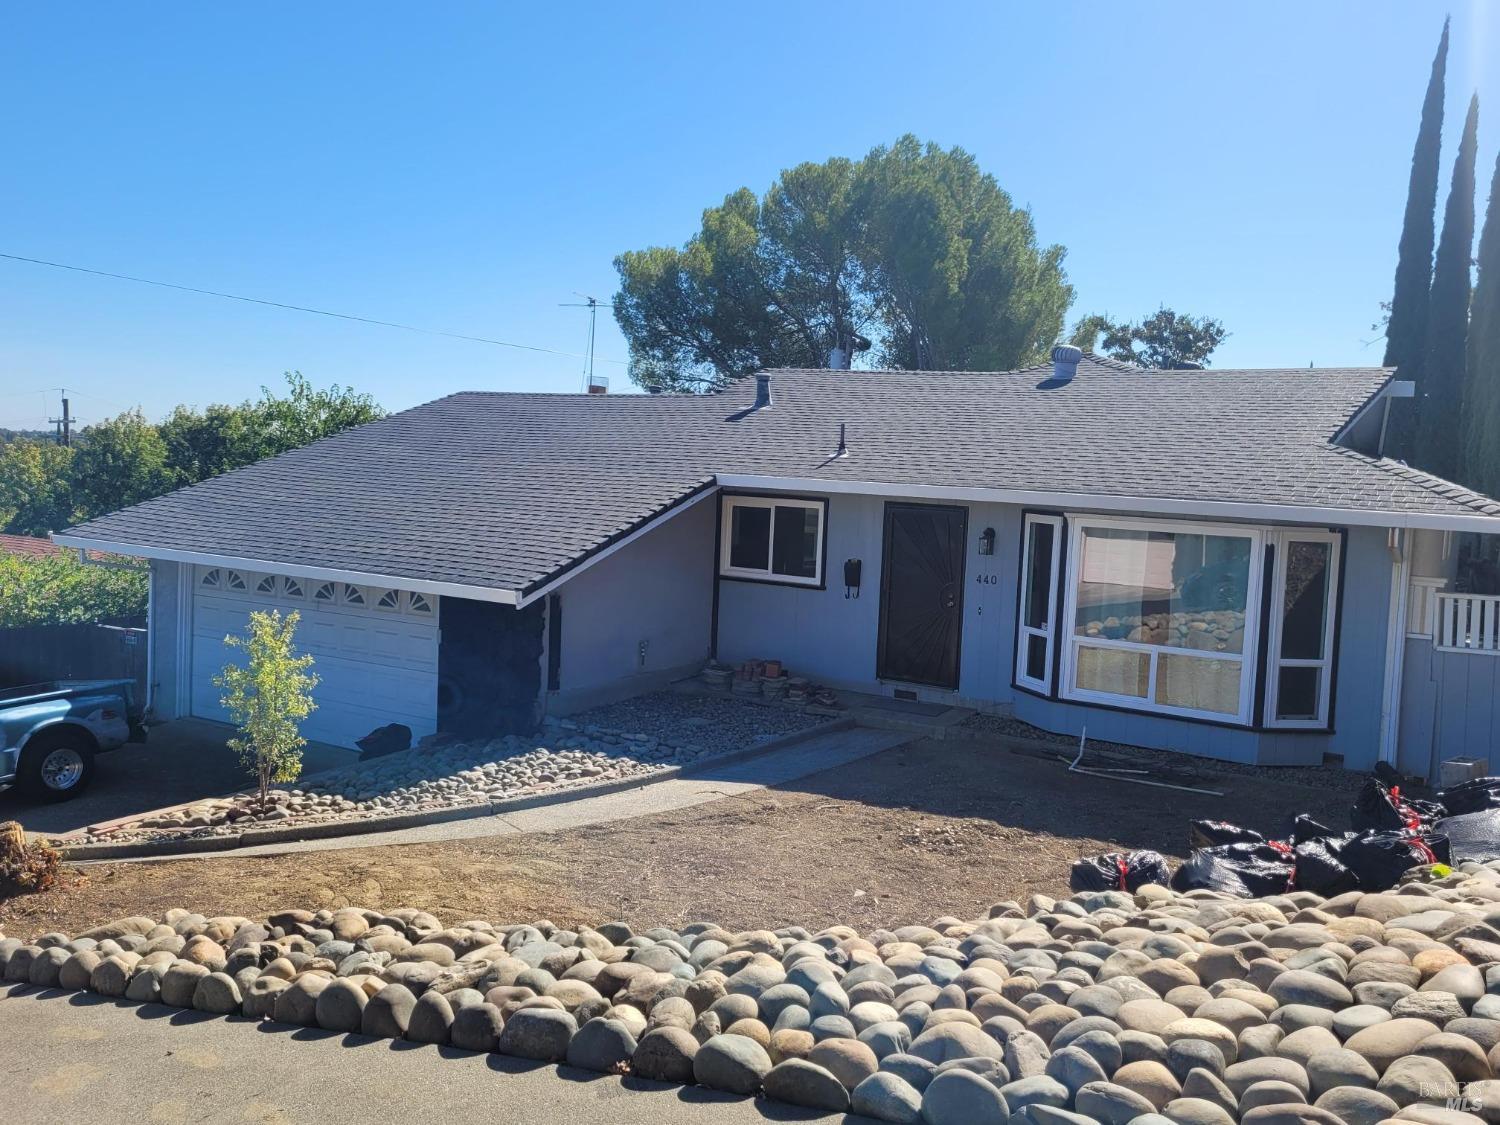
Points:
x=852 y=571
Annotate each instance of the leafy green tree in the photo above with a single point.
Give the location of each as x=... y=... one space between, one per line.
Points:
x=1481 y=397
x=1440 y=411
x=60 y=590
x=36 y=491
x=1166 y=340
x=268 y=696
x=912 y=245
x=118 y=463
x=959 y=280
x=1406 y=328
x=305 y=415
x=204 y=444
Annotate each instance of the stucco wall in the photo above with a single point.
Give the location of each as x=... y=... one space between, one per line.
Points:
x=166 y=619
x=657 y=590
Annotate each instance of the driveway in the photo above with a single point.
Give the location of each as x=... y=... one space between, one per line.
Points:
x=181 y=761
x=80 y=1057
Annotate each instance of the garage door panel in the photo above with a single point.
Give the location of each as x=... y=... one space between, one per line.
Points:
x=376 y=663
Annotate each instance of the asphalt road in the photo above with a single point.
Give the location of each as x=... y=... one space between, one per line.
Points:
x=71 y=1057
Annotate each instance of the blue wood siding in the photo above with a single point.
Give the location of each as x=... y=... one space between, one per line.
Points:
x=657 y=590
x=833 y=639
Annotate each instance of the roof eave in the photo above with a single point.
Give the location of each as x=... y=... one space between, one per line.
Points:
x=295 y=570
x=1149 y=505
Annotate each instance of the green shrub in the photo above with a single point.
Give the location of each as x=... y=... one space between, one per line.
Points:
x=60 y=590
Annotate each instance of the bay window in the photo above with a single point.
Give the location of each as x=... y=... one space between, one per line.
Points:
x=1163 y=617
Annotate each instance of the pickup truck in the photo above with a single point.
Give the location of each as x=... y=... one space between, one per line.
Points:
x=49 y=733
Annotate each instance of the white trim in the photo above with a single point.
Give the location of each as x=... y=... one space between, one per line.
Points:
x=187 y=577
x=1395 y=646
x=770 y=504
x=1077 y=522
x=1102 y=502
x=1282 y=541
x=524 y=600
x=296 y=570
x=1048 y=631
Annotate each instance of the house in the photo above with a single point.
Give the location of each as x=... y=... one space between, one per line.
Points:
x=1216 y=562
x=29 y=546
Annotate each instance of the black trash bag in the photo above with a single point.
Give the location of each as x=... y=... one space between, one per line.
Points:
x=1321 y=868
x=1305 y=828
x=1471 y=796
x=1115 y=871
x=1245 y=870
x=1382 y=809
x=390 y=739
x=1212 y=833
x=1474 y=835
x=1379 y=859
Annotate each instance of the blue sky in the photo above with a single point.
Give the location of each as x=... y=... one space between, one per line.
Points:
x=465 y=168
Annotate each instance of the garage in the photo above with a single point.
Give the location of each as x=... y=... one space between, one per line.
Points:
x=374 y=649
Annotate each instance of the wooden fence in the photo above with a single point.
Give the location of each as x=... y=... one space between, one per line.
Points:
x=108 y=650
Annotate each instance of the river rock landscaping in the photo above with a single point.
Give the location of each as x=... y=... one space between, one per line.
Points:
x=1105 y=1007
x=637 y=739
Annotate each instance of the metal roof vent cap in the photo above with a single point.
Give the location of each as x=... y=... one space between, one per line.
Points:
x=763 y=397
x=1065 y=359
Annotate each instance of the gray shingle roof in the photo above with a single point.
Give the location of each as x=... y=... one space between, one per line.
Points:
x=504 y=490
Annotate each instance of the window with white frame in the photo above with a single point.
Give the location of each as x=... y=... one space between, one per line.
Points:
x=773 y=539
x=1164 y=616
x=1299 y=672
x=1041 y=550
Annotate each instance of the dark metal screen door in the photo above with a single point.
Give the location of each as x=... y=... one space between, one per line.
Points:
x=922 y=594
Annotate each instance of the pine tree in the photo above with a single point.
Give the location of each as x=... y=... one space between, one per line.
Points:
x=1440 y=407
x=1406 y=331
x=1481 y=400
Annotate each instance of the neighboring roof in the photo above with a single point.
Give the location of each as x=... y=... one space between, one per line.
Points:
x=28 y=545
x=503 y=491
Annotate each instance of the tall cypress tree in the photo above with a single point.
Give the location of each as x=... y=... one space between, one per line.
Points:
x=1440 y=407
x=1406 y=332
x=1481 y=402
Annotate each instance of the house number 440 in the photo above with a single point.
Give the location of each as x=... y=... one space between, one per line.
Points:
x=987 y=579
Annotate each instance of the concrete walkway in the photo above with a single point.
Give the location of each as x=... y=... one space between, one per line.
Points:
x=72 y=1057
x=775 y=767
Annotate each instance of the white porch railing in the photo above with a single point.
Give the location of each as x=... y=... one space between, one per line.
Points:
x=1468 y=623
x=1421 y=606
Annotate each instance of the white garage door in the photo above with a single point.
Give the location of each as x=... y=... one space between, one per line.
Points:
x=374 y=650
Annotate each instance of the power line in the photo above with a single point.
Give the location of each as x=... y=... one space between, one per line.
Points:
x=296 y=308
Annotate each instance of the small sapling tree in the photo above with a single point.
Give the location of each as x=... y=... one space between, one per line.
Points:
x=268 y=696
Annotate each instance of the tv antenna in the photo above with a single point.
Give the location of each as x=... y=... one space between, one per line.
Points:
x=590 y=386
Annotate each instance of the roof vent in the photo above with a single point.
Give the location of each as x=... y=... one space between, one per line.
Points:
x=763 y=397
x=1065 y=359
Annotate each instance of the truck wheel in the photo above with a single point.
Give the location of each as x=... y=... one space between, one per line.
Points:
x=56 y=767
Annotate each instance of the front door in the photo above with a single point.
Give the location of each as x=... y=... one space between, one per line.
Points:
x=921 y=594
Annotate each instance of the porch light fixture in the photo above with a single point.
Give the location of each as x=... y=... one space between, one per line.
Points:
x=987 y=541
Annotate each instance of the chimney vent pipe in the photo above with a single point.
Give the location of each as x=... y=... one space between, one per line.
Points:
x=763 y=397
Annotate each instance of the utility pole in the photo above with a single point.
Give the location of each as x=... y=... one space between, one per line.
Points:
x=65 y=423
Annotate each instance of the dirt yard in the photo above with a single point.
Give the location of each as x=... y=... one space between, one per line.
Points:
x=925 y=830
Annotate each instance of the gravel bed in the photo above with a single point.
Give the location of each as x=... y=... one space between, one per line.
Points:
x=720 y=722
x=1168 y=761
x=1104 y=1008
x=635 y=739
